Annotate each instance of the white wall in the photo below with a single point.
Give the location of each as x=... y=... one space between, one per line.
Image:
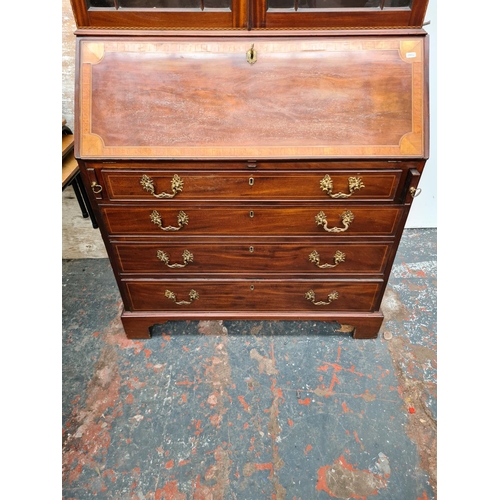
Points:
x=424 y=208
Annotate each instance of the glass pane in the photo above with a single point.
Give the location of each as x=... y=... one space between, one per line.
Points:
x=327 y=4
x=281 y=4
x=397 y=3
x=160 y=4
x=217 y=4
x=101 y=3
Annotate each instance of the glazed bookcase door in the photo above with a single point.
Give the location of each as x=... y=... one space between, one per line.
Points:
x=248 y=14
x=161 y=14
x=339 y=13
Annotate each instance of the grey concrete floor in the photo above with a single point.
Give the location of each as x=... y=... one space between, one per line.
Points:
x=250 y=410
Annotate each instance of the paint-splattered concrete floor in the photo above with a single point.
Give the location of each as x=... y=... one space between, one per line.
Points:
x=250 y=410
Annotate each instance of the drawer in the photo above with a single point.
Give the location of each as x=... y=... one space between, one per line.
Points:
x=152 y=185
x=254 y=256
x=249 y=295
x=252 y=219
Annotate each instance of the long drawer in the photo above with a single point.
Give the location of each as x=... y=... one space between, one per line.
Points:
x=152 y=185
x=249 y=295
x=252 y=219
x=188 y=257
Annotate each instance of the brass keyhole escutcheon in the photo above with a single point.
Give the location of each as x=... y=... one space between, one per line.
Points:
x=251 y=55
x=251 y=181
x=251 y=287
x=251 y=249
x=251 y=213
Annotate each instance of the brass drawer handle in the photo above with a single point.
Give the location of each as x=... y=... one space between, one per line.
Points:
x=96 y=188
x=187 y=257
x=414 y=192
x=311 y=296
x=148 y=185
x=355 y=183
x=337 y=258
x=193 y=295
x=182 y=220
x=346 y=218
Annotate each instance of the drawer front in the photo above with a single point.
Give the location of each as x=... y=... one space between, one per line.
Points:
x=249 y=295
x=334 y=185
x=208 y=220
x=188 y=257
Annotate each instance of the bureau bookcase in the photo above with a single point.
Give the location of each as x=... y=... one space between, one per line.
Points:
x=251 y=159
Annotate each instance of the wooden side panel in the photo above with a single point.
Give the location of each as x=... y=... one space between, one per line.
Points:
x=350 y=97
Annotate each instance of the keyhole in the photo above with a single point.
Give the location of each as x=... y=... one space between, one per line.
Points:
x=251 y=55
x=251 y=213
x=251 y=181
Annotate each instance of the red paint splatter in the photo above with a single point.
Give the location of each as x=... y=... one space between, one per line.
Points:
x=147 y=352
x=267 y=466
x=411 y=409
x=216 y=420
x=169 y=464
x=186 y=382
x=169 y=492
x=334 y=381
x=345 y=408
x=241 y=399
x=322 y=483
x=423 y=497
x=110 y=473
x=308 y=449
x=129 y=399
x=306 y=401
x=185 y=348
x=290 y=422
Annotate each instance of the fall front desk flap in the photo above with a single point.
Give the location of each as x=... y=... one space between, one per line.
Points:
x=251 y=98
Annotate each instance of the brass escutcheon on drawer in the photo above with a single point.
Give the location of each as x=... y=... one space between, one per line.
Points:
x=354 y=184
x=148 y=185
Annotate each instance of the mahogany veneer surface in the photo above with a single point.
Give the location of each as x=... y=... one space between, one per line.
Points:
x=271 y=190
x=341 y=97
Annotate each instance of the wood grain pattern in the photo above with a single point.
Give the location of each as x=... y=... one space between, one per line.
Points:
x=252 y=145
x=252 y=256
x=366 y=96
x=238 y=295
x=210 y=185
x=237 y=220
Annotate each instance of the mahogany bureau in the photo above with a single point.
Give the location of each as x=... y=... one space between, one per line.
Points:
x=242 y=173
